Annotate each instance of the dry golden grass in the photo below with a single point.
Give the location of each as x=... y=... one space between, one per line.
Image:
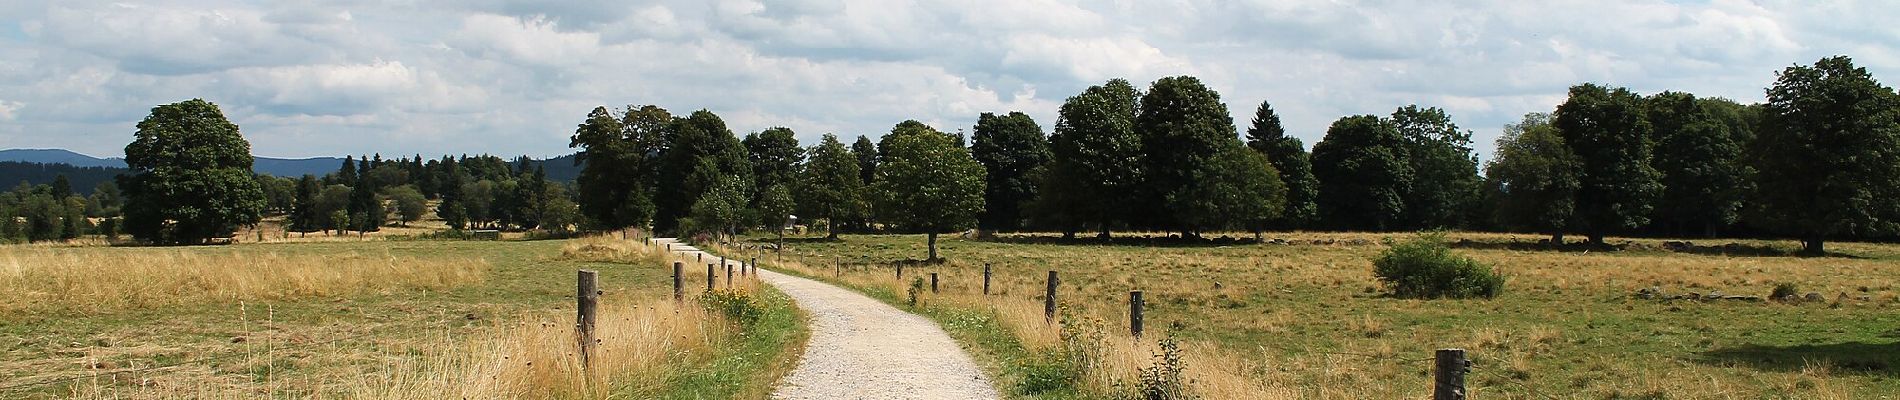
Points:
x=1306 y=319
x=51 y=279
x=536 y=358
x=1116 y=356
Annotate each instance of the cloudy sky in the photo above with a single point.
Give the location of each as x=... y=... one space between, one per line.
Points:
x=315 y=78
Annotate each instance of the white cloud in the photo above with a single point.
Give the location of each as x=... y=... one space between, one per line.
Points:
x=7 y=108
x=514 y=76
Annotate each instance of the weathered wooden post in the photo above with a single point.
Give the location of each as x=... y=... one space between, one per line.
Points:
x=722 y=260
x=679 y=291
x=933 y=283
x=837 y=267
x=699 y=257
x=1049 y=300
x=754 y=265
x=711 y=277
x=1134 y=312
x=986 y=279
x=587 y=298
x=1448 y=376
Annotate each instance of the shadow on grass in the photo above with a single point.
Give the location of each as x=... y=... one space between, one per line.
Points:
x=1141 y=241
x=1850 y=357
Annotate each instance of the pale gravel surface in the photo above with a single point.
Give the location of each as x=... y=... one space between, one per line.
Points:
x=861 y=348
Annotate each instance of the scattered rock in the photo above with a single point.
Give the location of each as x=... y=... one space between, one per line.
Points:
x=1649 y=293
x=1813 y=297
x=472 y=317
x=1217 y=285
x=1742 y=298
x=1678 y=246
x=238 y=339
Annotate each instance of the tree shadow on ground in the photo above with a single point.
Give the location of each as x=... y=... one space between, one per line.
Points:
x=1728 y=249
x=1137 y=241
x=1881 y=359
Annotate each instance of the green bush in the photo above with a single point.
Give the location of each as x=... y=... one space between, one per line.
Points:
x=1424 y=267
x=916 y=286
x=737 y=306
x=1166 y=379
x=1784 y=290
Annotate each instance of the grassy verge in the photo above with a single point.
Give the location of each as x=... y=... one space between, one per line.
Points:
x=1307 y=319
x=358 y=340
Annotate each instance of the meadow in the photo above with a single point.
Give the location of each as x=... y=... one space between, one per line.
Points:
x=377 y=318
x=1307 y=319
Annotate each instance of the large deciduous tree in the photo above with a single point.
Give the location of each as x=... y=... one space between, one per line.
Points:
x=1363 y=176
x=1828 y=155
x=1289 y=157
x=927 y=182
x=1533 y=179
x=700 y=152
x=1445 y=180
x=1607 y=131
x=1182 y=125
x=1699 y=164
x=775 y=157
x=1236 y=188
x=1010 y=147
x=617 y=162
x=190 y=176
x=829 y=187
x=1096 y=159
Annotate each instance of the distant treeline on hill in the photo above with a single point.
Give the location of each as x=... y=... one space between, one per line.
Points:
x=83 y=179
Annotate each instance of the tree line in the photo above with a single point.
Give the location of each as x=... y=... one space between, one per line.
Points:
x=1814 y=162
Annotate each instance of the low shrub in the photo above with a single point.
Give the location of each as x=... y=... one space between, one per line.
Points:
x=737 y=306
x=1784 y=290
x=1425 y=267
x=1166 y=379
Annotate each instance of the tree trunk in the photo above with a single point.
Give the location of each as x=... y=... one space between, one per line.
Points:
x=831 y=229
x=1814 y=247
x=1068 y=234
x=1596 y=239
x=1557 y=238
x=1104 y=234
x=933 y=246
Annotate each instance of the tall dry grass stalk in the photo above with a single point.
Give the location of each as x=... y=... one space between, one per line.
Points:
x=537 y=358
x=50 y=279
x=639 y=345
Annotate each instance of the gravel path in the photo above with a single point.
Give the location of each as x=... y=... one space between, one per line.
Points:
x=861 y=348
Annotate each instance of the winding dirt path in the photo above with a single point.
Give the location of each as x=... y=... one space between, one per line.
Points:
x=861 y=348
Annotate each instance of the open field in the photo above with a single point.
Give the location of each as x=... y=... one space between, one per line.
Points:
x=365 y=325
x=1305 y=320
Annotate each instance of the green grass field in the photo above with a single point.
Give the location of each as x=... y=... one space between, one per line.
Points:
x=1307 y=320
x=298 y=345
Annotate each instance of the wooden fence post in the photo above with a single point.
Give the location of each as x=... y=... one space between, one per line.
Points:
x=1049 y=300
x=1134 y=312
x=754 y=265
x=722 y=260
x=1448 y=375
x=587 y=298
x=933 y=283
x=711 y=277
x=679 y=291
x=837 y=267
x=986 y=279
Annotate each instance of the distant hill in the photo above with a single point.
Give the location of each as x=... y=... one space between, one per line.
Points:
x=292 y=168
x=59 y=156
x=559 y=168
x=83 y=178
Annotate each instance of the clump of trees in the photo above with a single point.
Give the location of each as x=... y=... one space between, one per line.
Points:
x=1810 y=163
x=50 y=212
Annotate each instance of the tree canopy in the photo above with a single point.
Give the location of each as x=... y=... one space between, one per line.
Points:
x=1362 y=173
x=1610 y=135
x=1011 y=148
x=1828 y=155
x=1288 y=156
x=191 y=176
x=926 y=182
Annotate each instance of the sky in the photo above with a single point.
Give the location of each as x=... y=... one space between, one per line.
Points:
x=328 y=78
